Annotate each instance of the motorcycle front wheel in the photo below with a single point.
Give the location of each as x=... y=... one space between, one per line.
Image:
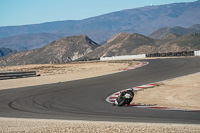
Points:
x=121 y=101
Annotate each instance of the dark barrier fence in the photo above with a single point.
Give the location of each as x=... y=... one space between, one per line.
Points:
x=87 y=59
x=14 y=75
x=171 y=54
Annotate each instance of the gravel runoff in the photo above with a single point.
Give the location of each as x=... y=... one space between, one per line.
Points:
x=12 y=125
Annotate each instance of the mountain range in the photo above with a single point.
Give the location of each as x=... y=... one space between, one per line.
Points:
x=132 y=44
x=82 y=47
x=144 y=20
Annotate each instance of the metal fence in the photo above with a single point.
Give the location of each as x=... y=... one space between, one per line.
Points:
x=14 y=75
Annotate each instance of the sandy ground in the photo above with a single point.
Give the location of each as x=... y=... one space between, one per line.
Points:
x=182 y=92
x=179 y=93
x=10 y=125
x=63 y=72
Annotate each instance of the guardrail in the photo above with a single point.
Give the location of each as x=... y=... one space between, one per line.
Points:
x=14 y=75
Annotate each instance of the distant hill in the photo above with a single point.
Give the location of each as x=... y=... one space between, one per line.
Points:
x=170 y=36
x=121 y=44
x=130 y=44
x=64 y=50
x=192 y=41
x=176 y=30
x=188 y=42
x=5 y=51
x=29 y=41
x=195 y=26
x=142 y=20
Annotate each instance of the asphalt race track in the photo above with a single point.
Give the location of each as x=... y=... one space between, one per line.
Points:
x=85 y=99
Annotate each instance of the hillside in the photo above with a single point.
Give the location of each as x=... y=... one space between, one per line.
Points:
x=176 y=30
x=28 y=42
x=142 y=20
x=130 y=44
x=191 y=40
x=121 y=44
x=5 y=51
x=64 y=50
x=195 y=26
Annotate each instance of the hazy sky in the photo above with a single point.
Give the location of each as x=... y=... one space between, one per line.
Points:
x=21 y=12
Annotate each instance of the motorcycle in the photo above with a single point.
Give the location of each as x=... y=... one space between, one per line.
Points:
x=124 y=98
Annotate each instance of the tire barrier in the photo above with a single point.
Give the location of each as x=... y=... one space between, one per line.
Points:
x=86 y=59
x=14 y=75
x=172 y=54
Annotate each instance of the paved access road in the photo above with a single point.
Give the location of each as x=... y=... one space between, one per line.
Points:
x=85 y=99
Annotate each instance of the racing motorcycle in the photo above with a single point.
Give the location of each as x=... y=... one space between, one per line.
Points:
x=124 y=98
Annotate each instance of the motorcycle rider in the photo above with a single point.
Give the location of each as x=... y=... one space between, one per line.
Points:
x=128 y=94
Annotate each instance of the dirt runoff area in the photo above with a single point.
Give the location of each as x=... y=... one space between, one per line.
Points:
x=54 y=73
x=183 y=92
x=178 y=93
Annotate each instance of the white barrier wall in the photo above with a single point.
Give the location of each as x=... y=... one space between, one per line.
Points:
x=124 y=57
x=197 y=53
x=139 y=56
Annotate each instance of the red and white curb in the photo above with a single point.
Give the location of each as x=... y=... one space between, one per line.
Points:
x=112 y=97
x=143 y=63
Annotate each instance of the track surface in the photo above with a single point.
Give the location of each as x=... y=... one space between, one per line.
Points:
x=85 y=99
